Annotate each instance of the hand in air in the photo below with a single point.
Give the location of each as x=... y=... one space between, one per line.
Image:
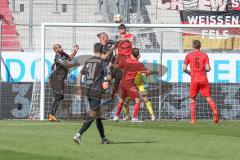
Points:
x=76 y=47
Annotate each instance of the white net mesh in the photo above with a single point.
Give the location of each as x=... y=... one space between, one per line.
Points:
x=162 y=50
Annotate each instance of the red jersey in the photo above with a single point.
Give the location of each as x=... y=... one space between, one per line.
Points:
x=125 y=47
x=197 y=61
x=130 y=69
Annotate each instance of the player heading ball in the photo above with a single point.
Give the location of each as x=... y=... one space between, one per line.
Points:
x=199 y=65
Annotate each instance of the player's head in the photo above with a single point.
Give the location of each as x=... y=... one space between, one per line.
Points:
x=136 y=53
x=57 y=48
x=196 y=44
x=103 y=37
x=97 y=48
x=122 y=29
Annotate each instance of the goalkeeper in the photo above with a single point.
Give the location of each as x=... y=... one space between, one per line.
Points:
x=141 y=81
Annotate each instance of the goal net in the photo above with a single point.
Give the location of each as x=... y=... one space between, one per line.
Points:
x=163 y=49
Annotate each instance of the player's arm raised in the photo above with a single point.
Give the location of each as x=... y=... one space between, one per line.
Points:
x=105 y=56
x=70 y=65
x=71 y=56
x=130 y=39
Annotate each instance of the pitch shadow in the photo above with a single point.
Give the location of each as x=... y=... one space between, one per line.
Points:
x=143 y=142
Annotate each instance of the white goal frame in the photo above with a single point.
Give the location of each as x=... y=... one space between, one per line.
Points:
x=109 y=25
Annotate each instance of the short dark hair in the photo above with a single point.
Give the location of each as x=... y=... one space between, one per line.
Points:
x=56 y=46
x=98 y=48
x=122 y=26
x=135 y=52
x=196 y=44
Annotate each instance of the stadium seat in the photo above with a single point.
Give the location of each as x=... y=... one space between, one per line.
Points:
x=10 y=39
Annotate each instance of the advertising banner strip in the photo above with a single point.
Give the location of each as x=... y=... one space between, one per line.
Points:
x=215 y=39
x=24 y=67
x=202 y=5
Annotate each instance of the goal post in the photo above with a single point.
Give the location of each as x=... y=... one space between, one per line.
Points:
x=175 y=27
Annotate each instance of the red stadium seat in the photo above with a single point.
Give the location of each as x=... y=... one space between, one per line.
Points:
x=10 y=39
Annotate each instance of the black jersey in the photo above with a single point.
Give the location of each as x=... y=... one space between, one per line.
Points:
x=59 y=72
x=94 y=73
x=107 y=48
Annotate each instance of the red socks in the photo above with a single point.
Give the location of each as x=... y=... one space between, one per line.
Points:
x=212 y=105
x=136 y=109
x=119 y=109
x=193 y=108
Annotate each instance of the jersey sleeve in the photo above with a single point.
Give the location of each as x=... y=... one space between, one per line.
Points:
x=130 y=35
x=206 y=59
x=186 y=61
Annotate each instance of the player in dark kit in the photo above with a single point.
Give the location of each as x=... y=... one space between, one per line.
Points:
x=58 y=75
x=199 y=65
x=108 y=47
x=94 y=81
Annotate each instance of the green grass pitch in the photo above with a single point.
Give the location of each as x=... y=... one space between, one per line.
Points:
x=164 y=140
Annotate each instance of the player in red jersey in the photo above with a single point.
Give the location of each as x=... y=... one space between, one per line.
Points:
x=199 y=65
x=127 y=87
x=124 y=46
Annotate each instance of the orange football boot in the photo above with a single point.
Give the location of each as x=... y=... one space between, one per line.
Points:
x=52 y=118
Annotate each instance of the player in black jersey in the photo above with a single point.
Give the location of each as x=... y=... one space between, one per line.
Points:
x=94 y=81
x=58 y=75
x=108 y=47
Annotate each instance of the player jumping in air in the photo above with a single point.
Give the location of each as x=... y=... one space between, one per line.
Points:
x=124 y=46
x=108 y=46
x=94 y=81
x=127 y=87
x=199 y=65
x=58 y=75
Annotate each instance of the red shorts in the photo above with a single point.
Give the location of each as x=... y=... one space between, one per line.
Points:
x=122 y=59
x=132 y=92
x=202 y=87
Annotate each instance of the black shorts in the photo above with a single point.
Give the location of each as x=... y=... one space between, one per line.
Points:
x=94 y=103
x=57 y=96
